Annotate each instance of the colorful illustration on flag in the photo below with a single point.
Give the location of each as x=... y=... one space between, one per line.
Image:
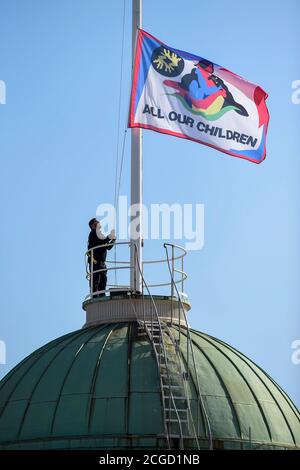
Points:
x=184 y=95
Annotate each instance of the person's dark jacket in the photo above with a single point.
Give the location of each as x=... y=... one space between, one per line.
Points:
x=99 y=254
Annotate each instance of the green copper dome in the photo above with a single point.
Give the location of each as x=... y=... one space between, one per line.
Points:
x=99 y=388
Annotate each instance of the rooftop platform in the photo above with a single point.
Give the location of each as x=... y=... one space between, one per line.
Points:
x=161 y=294
x=125 y=306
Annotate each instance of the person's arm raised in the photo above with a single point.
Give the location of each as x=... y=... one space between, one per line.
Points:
x=99 y=234
x=112 y=239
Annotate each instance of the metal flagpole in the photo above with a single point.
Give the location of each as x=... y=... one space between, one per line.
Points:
x=136 y=174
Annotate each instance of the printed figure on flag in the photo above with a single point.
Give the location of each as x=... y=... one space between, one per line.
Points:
x=204 y=93
x=184 y=95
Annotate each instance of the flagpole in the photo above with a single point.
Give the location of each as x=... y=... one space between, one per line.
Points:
x=136 y=173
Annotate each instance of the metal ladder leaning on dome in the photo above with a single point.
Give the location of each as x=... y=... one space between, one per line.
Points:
x=181 y=420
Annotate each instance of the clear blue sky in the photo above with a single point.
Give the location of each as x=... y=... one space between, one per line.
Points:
x=60 y=60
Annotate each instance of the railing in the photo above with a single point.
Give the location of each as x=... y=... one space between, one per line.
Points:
x=122 y=268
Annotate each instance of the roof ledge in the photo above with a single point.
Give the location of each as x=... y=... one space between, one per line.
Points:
x=125 y=306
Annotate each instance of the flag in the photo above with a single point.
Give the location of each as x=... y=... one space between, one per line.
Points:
x=184 y=95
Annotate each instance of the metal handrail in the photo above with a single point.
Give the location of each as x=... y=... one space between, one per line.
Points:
x=186 y=391
x=164 y=260
x=190 y=342
x=116 y=265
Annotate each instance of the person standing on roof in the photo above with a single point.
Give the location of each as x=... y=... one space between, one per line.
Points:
x=98 y=255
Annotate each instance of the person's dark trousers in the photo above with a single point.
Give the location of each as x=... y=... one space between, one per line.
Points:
x=103 y=280
x=95 y=277
x=100 y=278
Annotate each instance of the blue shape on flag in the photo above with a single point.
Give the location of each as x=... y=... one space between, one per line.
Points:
x=148 y=47
x=253 y=154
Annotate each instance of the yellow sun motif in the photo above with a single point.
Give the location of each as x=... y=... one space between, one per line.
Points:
x=167 y=60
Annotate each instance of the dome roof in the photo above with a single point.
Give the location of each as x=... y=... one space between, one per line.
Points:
x=99 y=388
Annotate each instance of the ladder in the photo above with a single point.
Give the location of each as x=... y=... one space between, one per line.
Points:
x=173 y=379
x=178 y=418
x=190 y=349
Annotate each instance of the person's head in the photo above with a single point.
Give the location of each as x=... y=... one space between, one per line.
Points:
x=93 y=223
x=205 y=65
